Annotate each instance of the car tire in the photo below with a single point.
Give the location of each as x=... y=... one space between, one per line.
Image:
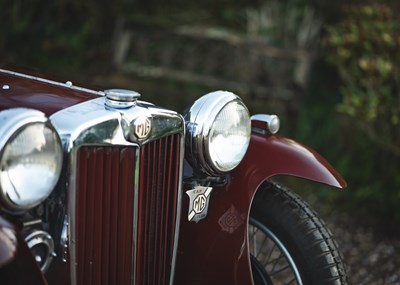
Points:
x=289 y=243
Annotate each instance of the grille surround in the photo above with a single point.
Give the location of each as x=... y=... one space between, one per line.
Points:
x=92 y=125
x=120 y=189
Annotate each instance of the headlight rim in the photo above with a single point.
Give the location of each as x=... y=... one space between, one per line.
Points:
x=199 y=122
x=14 y=121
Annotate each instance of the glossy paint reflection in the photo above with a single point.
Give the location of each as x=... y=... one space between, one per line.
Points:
x=49 y=98
x=215 y=250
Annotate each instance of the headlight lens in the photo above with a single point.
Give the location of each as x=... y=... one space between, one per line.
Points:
x=229 y=137
x=30 y=162
x=218 y=132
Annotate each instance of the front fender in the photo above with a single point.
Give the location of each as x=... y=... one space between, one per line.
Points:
x=271 y=155
x=215 y=250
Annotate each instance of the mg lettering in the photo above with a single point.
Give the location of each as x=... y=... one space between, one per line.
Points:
x=142 y=127
x=199 y=203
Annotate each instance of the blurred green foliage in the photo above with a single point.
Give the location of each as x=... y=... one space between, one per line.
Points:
x=56 y=36
x=364 y=47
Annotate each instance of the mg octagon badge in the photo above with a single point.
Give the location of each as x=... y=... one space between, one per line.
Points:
x=142 y=127
x=198 y=203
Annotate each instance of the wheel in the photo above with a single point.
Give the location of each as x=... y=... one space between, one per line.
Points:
x=289 y=243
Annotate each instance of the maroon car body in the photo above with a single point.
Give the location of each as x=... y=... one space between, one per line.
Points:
x=97 y=239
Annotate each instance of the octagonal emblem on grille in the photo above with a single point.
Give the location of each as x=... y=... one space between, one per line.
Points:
x=142 y=127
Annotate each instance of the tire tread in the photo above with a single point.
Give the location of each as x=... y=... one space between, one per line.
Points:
x=308 y=234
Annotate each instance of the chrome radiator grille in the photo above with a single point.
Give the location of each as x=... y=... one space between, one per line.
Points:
x=157 y=210
x=108 y=250
x=104 y=215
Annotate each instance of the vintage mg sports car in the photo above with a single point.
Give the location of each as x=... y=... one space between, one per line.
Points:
x=100 y=187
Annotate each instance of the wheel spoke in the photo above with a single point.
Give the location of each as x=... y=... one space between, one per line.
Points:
x=276 y=261
x=279 y=270
x=267 y=260
x=269 y=251
x=263 y=244
x=272 y=262
x=254 y=238
x=256 y=246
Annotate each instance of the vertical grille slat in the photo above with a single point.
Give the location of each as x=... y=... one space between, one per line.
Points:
x=81 y=204
x=88 y=268
x=109 y=247
x=106 y=217
x=97 y=230
x=114 y=219
x=125 y=245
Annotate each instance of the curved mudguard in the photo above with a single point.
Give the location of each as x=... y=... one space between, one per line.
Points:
x=215 y=250
x=17 y=265
x=268 y=156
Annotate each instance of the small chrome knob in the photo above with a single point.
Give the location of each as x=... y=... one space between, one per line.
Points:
x=263 y=123
x=121 y=98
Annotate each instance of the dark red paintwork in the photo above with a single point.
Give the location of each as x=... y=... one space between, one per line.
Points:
x=17 y=265
x=215 y=250
x=8 y=242
x=46 y=97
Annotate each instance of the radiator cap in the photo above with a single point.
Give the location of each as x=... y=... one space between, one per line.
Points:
x=121 y=98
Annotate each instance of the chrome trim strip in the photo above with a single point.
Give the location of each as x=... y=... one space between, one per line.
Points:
x=135 y=215
x=179 y=208
x=71 y=189
x=67 y=84
x=64 y=240
x=93 y=123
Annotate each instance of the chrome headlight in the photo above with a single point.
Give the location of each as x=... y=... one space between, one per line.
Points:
x=218 y=126
x=30 y=158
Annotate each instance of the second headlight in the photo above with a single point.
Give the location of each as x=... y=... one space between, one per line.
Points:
x=218 y=126
x=30 y=158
